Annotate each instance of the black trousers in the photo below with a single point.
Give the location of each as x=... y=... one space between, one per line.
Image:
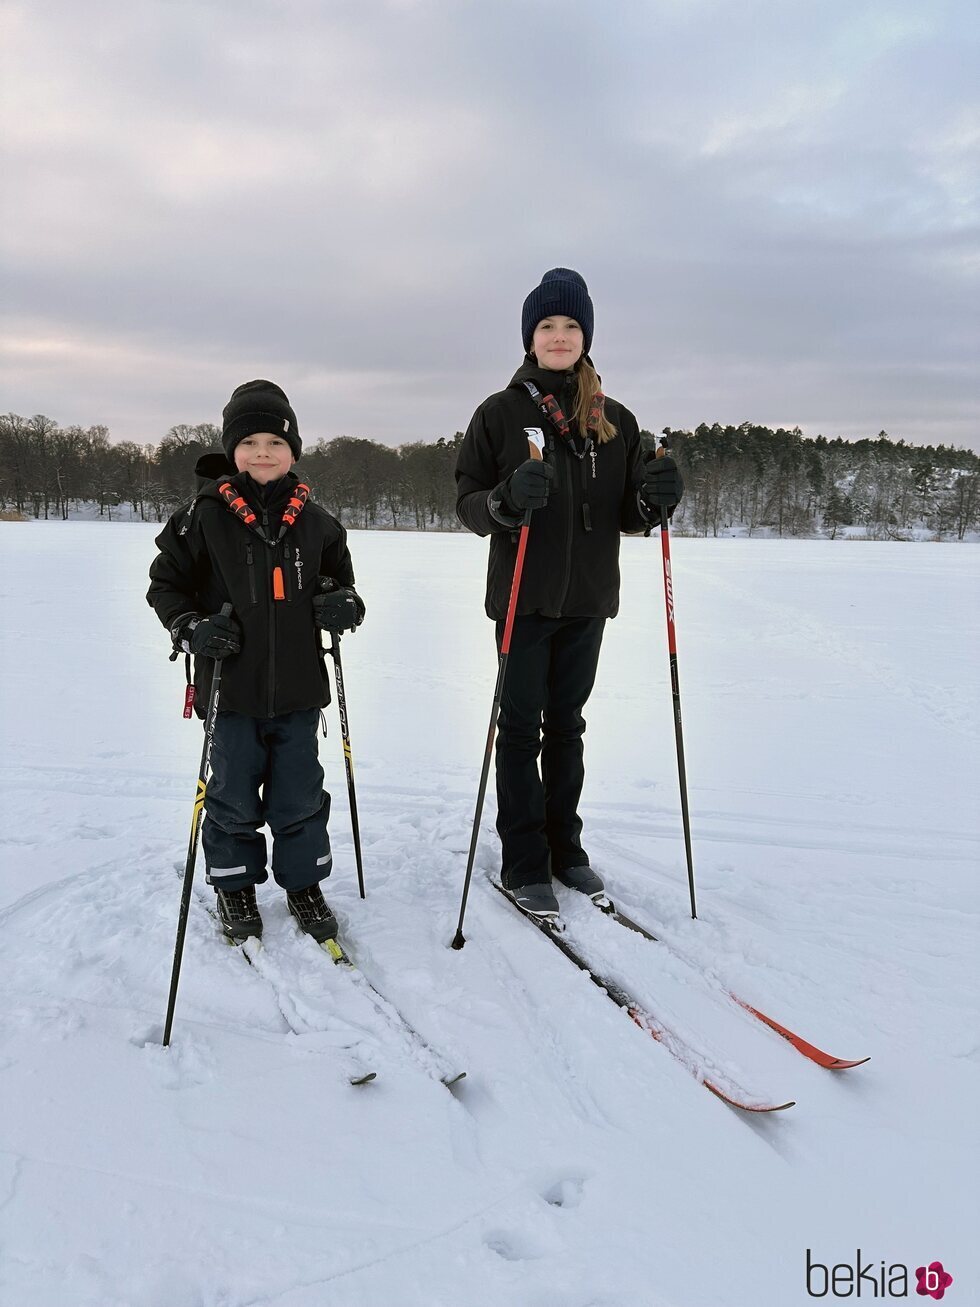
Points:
x=266 y=771
x=550 y=674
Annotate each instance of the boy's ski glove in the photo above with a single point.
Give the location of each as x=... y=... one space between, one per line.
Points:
x=528 y=487
x=662 y=486
x=216 y=636
x=339 y=609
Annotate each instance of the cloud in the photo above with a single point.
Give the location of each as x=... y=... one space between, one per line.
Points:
x=775 y=207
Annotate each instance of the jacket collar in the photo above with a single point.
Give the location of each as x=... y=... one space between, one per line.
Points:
x=547 y=381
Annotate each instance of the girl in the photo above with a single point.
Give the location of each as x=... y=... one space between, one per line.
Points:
x=592 y=485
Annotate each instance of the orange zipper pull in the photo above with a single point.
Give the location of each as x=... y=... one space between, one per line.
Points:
x=278 y=589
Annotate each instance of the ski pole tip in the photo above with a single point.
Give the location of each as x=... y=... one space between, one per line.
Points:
x=458 y=941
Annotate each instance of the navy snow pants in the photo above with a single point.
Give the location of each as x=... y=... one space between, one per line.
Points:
x=265 y=771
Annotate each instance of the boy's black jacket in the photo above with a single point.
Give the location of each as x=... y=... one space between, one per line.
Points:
x=569 y=571
x=209 y=557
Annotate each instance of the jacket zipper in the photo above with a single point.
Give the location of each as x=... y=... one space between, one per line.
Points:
x=568 y=493
x=567 y=490
x=286 y=571
x=272 y=618
x=250 y=561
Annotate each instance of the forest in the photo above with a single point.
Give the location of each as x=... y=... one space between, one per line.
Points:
x=747 y=479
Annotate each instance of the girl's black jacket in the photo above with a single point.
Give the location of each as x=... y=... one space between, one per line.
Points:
x=209 y=557
x=571 y=568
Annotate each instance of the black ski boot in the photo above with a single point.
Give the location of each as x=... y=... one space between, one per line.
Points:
x=584 y=879
x=310 y=909
x=537 y=900
x=239 y=914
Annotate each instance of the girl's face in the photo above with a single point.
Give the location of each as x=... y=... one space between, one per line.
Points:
x=264 y=457
x=557 y=343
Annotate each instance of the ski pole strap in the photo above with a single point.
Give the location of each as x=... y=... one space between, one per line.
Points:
x=296 y=504
x=595 y=411
x=190 y=693
x=240 y=507
x=237 y=503
x=551 y=409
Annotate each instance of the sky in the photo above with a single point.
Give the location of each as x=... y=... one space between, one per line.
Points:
x=775 y=204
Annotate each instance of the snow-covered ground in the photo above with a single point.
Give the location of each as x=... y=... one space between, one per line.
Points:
x=831 y=720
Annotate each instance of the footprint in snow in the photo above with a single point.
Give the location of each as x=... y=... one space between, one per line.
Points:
x=566 y=1192
x=514 y=1245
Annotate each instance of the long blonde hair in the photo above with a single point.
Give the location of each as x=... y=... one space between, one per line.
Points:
x=589 y=386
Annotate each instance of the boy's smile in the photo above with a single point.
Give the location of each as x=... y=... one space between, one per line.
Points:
x=264 y=457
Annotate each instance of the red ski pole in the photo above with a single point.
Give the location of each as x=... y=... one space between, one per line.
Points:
x=458 y=939
x=675 y=688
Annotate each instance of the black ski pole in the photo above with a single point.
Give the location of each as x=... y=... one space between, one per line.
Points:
x=459 y=939
x=675 y=688
x=327 y=583
x=202 y=786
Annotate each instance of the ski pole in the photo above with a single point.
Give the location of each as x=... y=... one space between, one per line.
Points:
x=327 y=583
x=202 y=786
x=675 y=688
x=535 y=453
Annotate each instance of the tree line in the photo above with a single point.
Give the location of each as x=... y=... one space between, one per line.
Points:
x=50 y=471
x=784 y=483
x=748 y=478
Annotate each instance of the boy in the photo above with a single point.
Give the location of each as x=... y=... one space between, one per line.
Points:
x=254 y=539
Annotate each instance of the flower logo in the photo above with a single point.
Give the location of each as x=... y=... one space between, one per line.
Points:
x=933 y=1280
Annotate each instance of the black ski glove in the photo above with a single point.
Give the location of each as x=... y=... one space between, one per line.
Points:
x=662 y=486
x=529 y=486
x=339 y=609
x=216 y=636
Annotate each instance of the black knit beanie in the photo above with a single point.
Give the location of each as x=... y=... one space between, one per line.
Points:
x=561 y=291
x=259 y=406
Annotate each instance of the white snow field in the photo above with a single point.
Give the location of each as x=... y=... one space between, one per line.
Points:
x=830 y=695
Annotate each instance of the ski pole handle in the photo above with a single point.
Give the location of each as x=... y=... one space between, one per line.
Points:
x=661 y=452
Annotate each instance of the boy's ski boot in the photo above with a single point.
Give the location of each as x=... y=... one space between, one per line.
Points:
x=312 y=914
x=536 y=900
x=239 y=914
x=584 y=879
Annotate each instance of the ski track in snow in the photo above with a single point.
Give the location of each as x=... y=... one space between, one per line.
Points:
x=579 y=1164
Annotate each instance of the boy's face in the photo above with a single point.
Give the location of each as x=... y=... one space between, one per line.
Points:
x=264 y=457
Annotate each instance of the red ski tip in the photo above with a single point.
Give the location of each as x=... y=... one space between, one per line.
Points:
x=747 y=1107
x=826 y=1060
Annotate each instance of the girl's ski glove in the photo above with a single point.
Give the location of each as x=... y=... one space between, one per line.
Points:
x=662 y=485
x=529 y=486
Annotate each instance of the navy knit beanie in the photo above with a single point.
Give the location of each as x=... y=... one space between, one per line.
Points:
x=561 y=291
x=259 y=406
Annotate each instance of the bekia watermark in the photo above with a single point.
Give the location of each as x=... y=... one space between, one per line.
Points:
x=871 y=1280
